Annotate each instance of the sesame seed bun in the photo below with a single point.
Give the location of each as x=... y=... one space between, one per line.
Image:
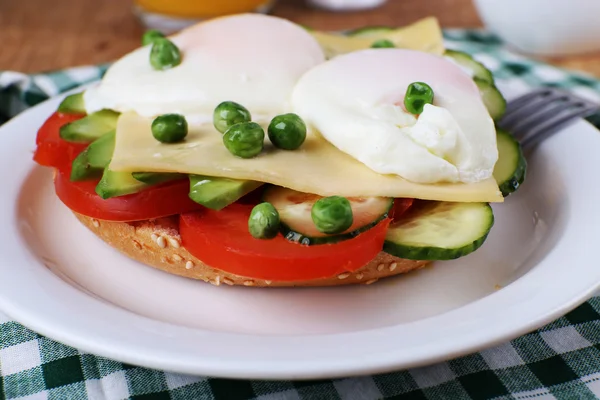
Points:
x=157 y=243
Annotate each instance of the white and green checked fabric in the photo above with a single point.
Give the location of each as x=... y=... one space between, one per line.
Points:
x=559 y=361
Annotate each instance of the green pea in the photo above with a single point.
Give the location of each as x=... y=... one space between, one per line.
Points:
x=150 y=36
x=332 y=215
x=287 y=131
x=169 y=128
x=383 y=44
x=164 y=54
x=229 y=113
x=264 y=221
x=417 y=95
x=245 y=140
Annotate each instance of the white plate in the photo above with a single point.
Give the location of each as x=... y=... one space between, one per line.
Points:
x=60 y=280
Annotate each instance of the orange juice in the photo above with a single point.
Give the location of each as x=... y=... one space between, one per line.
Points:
x=200 y=8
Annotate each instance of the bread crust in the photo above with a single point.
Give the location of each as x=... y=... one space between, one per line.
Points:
x=157 y=243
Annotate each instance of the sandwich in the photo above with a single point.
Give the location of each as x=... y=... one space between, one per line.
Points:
x=248 y=150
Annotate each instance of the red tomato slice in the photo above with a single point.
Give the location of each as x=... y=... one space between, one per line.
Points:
x=400 y=207
x=221 y=240
x=155 y=202
x=52 y=151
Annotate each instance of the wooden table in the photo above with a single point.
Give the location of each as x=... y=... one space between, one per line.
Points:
x=39 y=35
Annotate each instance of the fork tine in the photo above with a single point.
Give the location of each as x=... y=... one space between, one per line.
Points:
x=529 y=107
x=552 y=110
x=553 y=125
x=520 y=101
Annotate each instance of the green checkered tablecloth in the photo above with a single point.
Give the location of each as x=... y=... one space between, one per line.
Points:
x=559 y=361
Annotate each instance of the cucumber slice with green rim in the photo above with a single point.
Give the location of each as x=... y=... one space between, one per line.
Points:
x=296 y=222
x=115 y=184
x=476 y=69
x=90 y=127
x=511 y=168
x=91 y=162
x=492 y=98
x=72 y=104
x=154 y=178
x=439 y=230
x=218 y=193
x=370 y=32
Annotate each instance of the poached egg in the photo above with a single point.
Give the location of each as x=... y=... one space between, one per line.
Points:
x=355 y=101
x=251 y=59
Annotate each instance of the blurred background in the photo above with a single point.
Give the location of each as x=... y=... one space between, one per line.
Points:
x=44 y=35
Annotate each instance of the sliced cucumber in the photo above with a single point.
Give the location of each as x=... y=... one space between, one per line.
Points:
x=92 y=161
x=511 y=168
x=371 y=32
x=296 y=222
x=492 y=98
x=91 y=127
x=218 y=193
x=72 y=104
x=475 y=68
x=154 y=178
x=439 y=230
x=114 y=184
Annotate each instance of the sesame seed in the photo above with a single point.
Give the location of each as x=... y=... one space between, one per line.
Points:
x=137 y=245
x=177 y=257
x=161 y=242
x=248 y=283
x=154 y=237
x=95 y=223
x=359 y=276
x=268 y=282
x=380 y=267
x=371 y=281
x=174 y=243
x=165 y=259
x=189 y=265
x=344 y=275
x=228 y=281
x=393 y=266
x=217 y=281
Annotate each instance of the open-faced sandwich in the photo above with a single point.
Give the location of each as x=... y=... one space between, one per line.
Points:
x=248 y=150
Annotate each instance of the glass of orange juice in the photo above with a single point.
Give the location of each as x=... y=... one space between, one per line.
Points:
x=172 y=15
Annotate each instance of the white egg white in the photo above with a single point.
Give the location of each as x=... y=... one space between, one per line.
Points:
x=251 y=59
x=356 y=102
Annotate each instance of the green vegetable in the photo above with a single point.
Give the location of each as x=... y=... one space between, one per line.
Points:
x=511 y=168
x=91 y=162
x=90 y=127
x=332 y=215
x=164 y=54
x=465 y=60
x=229 y=113
x=287 y=131
x=439 y=230
x=72 y=104
x=150 y=36
x=154 y=178
x=296 y=221
x=245 y=140
x=417 y=95
x=383 y=44
x=169 y=128
x=218 y=193
x=370 y=31
x=492 y=98
x=115 y=184
x=264 y=221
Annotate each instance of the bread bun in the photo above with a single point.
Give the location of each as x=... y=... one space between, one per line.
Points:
x=157 y=243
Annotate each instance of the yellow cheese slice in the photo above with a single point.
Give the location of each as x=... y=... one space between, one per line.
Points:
x=423 y=35
x=317 y=167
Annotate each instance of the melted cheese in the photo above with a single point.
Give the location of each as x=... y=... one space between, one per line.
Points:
x=317 y=167
x=423 y=35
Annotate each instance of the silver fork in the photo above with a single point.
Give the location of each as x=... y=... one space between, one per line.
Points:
x=538 y=115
